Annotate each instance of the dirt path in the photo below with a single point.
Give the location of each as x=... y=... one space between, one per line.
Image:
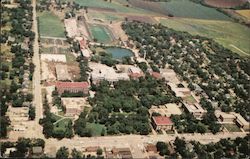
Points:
x=243 y=52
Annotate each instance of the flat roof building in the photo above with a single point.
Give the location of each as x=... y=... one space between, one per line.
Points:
x=241 y=122
x=166 y=110
x=195 y=109
x=102 y=72
x=180 y=92
x=37 y=150
x=123 y=153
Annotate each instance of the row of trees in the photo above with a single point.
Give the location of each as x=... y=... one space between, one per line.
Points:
x=225 y=148
x=14 y=62
x=63 y=153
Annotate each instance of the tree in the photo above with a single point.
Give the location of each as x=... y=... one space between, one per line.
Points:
x=143 y=66
x=32 y=113
x=162 y=148
x=76 y=154
x=99 y=151
x=180 y=146
x=62 y=153
x=5 y=122
x=22 y=147
x=29 y=97
x=201 y=128
x=13 y=87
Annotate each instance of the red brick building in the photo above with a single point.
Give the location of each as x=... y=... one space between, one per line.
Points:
x=72 y=87
x=162 y=123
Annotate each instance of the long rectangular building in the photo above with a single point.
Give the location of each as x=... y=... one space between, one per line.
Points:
x=72 y=87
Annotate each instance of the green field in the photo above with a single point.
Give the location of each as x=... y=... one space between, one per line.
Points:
x=96 y=129
x=232 y=127
x=181 y=8
x=50 y=25
x=116 y=6
x=188 y=9
x=100 y=33
x=61 y=125
x=105 y=16
x=231 y=35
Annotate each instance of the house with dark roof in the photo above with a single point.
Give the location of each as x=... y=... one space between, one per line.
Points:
x=162 y=123
x=72 y=87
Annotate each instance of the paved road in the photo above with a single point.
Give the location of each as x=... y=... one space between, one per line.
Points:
x=135 y=142
x=37 y=78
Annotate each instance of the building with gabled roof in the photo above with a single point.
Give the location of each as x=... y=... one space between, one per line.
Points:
x=162 y=123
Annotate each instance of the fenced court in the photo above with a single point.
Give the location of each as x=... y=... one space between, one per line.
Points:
x=101 y=33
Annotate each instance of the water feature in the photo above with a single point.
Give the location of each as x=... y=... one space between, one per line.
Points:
x=119 y=53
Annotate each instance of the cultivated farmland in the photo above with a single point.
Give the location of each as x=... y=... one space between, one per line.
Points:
x=181 y=8
x=224 y=3
x=114 y=6
x=50 y=25
x=232 y=35
x=105 y=16
x=244 y=13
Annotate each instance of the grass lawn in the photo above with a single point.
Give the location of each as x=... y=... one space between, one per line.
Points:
x=50 y=25
x=100 y=33
x=232 y=127
x=226 y=33
x=190 y=99
x=56 y=117
x=96 y=128
x=61 y=125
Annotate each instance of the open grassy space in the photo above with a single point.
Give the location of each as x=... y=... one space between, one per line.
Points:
x=231 y=35
x=105 y=16
x=232 y=127
x=96 y=128
x=115 y=6
x=100 y=33
x=50 y=25
x=61 y=125
x=181 y=8
x=188 y=9
x=190 y=99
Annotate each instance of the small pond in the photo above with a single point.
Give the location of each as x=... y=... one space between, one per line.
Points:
x=119 y=53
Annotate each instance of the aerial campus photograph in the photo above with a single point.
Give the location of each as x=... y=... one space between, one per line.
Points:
x=125 y=79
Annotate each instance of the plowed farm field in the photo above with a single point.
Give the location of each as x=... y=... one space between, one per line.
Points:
x=225 y=3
